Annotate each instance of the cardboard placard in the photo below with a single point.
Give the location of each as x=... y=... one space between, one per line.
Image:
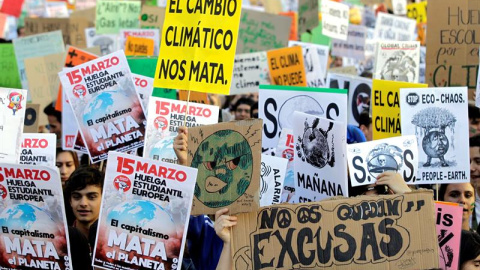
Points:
x=278 y=103
x=196 y=97
x=227 y=156
x=250 y=70
x=391 y=27
x=354 y=46
x=38 y=149
x=141 y=203
x=152 y=17
x=397 y=61
x=152 y=34
x=12 y=108
x=335 y=19
x=165 y=117
x=418 y=11
x=137 y=46
x=369 y=159
x=31 y=118
x=340 y=234
x=449 y=230
x=144 y=87
x=285 y=149
x=9 y=76
x=12 y=7
x=260 y=31
x=315 y=60
x=359 y=93
x=33 y=215
x=107 y=43
x=272 y=174
x=203 y=64
x=307 y=15
x=111 y=16
x=106 y=105
x=437 y=117
x=452 y=55
x=287 y=67
x=320 y=166
x=386 y=107
x=293 y=25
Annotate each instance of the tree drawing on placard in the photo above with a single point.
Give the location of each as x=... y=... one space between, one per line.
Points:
x=313 y=146
x=225 y=166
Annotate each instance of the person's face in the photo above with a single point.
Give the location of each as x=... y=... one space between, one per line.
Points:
x=474 y=124
x=66 y=165
x=55 y=126
x=462 y=193
x=86 y=204
x=475 y=166
x=367 y=131
x=472 y=264
x=242 y=112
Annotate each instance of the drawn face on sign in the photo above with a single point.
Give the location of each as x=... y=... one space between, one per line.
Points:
x=383 y=158
x=225 y=165
x=313 y=146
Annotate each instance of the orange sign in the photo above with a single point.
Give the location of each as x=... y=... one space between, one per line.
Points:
x=286 y=66
x=137 y=46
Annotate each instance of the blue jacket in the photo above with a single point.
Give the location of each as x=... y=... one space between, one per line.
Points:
x=204 y=246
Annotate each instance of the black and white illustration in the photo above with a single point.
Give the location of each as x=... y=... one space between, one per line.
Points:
x=398 y=61
x=436 y=116
x=315 y=59
x=272 y=175
x=107 y=43
x=320 y=167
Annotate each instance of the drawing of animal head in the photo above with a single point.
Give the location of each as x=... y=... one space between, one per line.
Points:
x=313 y=145
x=435 y=144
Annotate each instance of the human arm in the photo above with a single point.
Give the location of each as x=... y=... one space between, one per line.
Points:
x=180 y=145
x=223 y=225
x=394 y=181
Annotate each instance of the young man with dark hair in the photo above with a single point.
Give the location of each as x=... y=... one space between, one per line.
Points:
x=473 y=120
x=54 y=120
x=242 y=108
x=365 y=124
x=84 y=194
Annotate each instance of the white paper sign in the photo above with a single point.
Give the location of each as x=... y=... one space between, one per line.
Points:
x=12 y=115
x=354 y=46
x=369 y=159
x=438 y=118
x=399 y=7
x=69 y=128
x=250 y=70
x=320 y=159
x=144 y=87
x=57 y=9
x=38 y=149
x=107 y=42
x=397 y=61
x=142 y=33
x=277 y=103
x=391 y=27
x=335 y=19
x=285 y=150
x=315 y=59
x=272 y=174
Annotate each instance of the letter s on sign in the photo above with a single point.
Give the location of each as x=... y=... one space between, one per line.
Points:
x=271 y=117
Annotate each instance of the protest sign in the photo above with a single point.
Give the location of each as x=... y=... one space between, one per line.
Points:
x=13 y=103
x=192 y=96
x=307 y=15
x=417 y=11
x=31 y=118
x=359 y=93
x=56 y=9
x=106 y=106
x=197 y=59
x=340 y=234
x=436 y=116
x=315 y=61
x=452 y=55
x=423 y=55
x=293 y=25
x=272 y=174
x=386 y=107
x=8 y=64
x=285 y=149
x=152 y=17
x=151 y=34
x=369 y=159
x=227 y=156
x=137 y=46
x=107 y=43
x=335 y=19
x=3 y=24
x=399 y=7
x=84 y=4
x=144 y=214
x=12 y=7
x=287 y=67
x=277 y=104
x=111 y=16
x=320 y=166
x=38 y=149
x=391 y=27
x=354 y=46
x=35 y=8
x=36 y=46
x=164 y=118
x=397 y=61
x=316 y=36
x=32 y=218
x=144 y=87
x=449 y=231
x=250 y=70
x=260 y=31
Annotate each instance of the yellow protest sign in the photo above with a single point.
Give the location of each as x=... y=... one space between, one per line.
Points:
x=286 y=66
x=417 y=11
x=386 y=107
x=198 y=45
x=137 y=46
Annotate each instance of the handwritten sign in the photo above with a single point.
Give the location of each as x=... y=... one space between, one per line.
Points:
x=9 y=76
x=152 y=17
x=111 y=16
x=153 y=34
x=449 y=231
x=249 y=72
x=203 y=64
x=335 y=19
x=307 y=15
x=287 y=67
x=354 y=46
x=139 y=46
x=391 y=27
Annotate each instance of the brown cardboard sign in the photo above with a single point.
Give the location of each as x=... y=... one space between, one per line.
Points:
x=227 y=156
x=197 y=97
x=73 y=29
x=452 y=53
x=30 y=123
x=365 y=232
x=152 y=17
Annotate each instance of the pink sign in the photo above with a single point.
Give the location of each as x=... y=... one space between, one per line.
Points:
x=449 y=228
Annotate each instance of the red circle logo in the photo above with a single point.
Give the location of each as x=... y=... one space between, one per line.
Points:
x=160 y=123
x=79 y=91
x=288 y=154
x=122 y=183
x=3 y=192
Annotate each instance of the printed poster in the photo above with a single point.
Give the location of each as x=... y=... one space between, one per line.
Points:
x=107 y=42
x=437 y=117
x=165 y=117
x=354 y=46
x=12 y=114
x=272 y=174
x=32 y=218
x=277 y=104
x=153 y=34
x=369 y=159
x=320 y=165
x=144 y=87
x=335 y=19
x=106 y=105
x=38 y=149
x=287 y=67
x=449 y=230
x=398 y=61
x=392 y=27
x=315 y=60
x=111 y=16
x=227 y=156
x=144 y=214
x=285 y=149
x=250 y=70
